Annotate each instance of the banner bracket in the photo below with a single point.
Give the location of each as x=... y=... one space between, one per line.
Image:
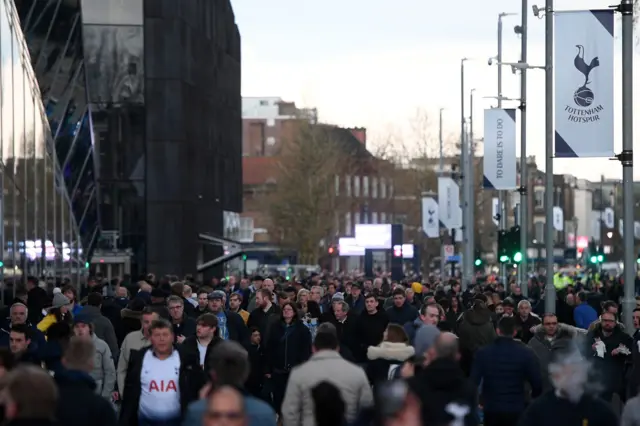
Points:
x=522 y=190
x=625 y=157
x=625 y=8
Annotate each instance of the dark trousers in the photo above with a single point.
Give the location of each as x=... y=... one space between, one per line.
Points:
x=279 y=383
x=145 y=422
x=500 y=419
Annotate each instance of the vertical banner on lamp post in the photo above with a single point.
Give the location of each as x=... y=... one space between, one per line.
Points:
x=583 y=68
x=449 y=203
x=430 y=217
x=500 y=149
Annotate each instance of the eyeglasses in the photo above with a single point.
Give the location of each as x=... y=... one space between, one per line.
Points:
x=226 y=415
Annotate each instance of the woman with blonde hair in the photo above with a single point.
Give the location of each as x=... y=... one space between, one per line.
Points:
x=389 y=354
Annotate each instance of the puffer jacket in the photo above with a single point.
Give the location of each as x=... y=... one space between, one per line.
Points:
x=385 y=359
x=542 y=347
x=104 y=370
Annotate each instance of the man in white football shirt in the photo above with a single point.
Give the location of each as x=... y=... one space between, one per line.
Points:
x=161 y=381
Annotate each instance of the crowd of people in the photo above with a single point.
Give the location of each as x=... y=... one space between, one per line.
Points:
x=322 y=351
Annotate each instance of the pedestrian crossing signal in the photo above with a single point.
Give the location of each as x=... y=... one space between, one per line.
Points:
x=478 y=262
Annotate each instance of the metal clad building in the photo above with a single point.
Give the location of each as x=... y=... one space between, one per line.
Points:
x=144 y=103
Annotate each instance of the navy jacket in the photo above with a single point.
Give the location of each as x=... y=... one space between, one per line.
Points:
x=501 y=368
x=37 y=338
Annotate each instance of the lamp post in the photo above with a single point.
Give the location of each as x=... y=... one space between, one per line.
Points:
x=471 y=203
x=501 y=201
x=464 y=157
x=550 y=290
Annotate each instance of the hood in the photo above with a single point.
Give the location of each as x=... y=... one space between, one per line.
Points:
x=477 y=315
x=91 y=311
x=442 y=374
x=561 y=333
x=74 y=377
x=128 y=313
x=390 y=351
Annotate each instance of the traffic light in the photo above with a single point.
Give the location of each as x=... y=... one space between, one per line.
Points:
x=478 y=259
x=503 y=246
x=86 y=265
x=1 y=264
x=515 y=251
x=244 y=257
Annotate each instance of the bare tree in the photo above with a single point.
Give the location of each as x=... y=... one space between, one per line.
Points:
x=303 y=202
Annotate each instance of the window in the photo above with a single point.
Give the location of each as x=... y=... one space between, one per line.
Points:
x=356 y=216
x=383 y=218
x=347 y=185
x=271 y=122
x=264 y=103
x=337 y=185
x=374 y=217
x=347 y=223
x=356 y=186
x=374 y=187
x=383 y=188
x=539 y=232
x=538 y=199
x=271 y=141
x=391 y=189
x=365 y=186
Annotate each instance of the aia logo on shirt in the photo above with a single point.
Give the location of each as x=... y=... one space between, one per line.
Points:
x=162 y=386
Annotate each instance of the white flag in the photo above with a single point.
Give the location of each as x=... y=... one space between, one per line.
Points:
x=608 y=218
x=430 y=220
x=636 y=230
x=558 y=219
x=495 y=210
x=499 y=162
x=449 y=203
x=584 y=75
x=621 y=227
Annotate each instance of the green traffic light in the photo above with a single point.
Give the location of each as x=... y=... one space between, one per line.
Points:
x=478 y=262
x=504 y=258
x=1 y=264
x=86 y=265
x=593 y=259
x=517 y=257
x=244 y=257
x=600 y=258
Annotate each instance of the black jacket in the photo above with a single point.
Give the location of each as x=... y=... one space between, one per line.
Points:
x=287 y=347
x=610 y=369
x=191 y=380
x=384 y=359
x=78 y=404
x=190 y=345
x=262 y=320
x=440 y=384
x=369 y=331
x=186 y=328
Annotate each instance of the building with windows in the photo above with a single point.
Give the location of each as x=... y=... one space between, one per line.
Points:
x=145 y=121
x=39 y=230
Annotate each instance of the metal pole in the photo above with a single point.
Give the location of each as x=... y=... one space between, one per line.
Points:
x=440 y=173
x=524 y=173
x=501 y=202
x=470 y=195
x=550 y=290
x=626 y=7
x=464 y=148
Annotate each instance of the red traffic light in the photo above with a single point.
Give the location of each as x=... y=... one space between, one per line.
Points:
x=397 y=251
x=331 y=250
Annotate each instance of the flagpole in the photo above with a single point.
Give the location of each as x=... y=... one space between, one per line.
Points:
x=626 y=158
x=443 y=262
x=464 y=148
x=524 y=174
x=550 y=291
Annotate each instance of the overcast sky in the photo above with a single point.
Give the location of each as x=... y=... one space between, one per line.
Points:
x=373 y=63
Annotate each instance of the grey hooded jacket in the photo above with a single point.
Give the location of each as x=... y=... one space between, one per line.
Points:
x=104 y=371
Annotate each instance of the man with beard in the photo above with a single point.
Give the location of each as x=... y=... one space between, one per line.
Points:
x=370 y=326
x=542 y=344
x=609 y=348
x=570 y=404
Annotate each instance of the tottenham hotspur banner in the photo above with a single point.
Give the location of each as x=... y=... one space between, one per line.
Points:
x=583 y=67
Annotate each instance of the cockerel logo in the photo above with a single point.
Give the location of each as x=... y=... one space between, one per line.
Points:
x=583 y=96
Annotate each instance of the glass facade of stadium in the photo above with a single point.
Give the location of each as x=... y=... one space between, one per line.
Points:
x=40 y=233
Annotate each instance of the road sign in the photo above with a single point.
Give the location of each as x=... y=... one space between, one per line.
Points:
x=449 y=250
